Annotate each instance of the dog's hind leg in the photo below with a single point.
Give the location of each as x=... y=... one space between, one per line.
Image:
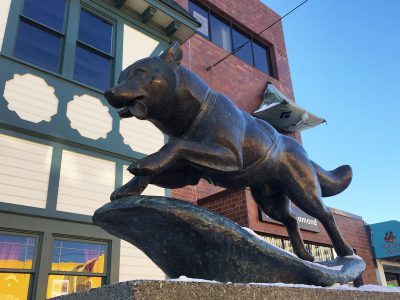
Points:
x=299 y=180
x=277 y=206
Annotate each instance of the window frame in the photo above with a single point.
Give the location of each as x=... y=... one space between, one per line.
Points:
x=105 y=276
x=69 y=41
x=33 y=271
x=270 y=66
x=112 y=55
x=62 y=35
x=86 y=241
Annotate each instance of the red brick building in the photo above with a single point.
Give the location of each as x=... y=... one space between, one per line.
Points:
x=244 y=82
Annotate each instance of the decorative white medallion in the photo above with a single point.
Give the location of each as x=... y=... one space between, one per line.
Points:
x=31 y=98
x=141 y=136
x=89 y=116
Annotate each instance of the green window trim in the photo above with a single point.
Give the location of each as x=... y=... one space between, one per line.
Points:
x=46 y=231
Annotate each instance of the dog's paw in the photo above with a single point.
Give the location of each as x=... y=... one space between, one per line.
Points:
x=140 y=168
x=128 y=190
x=117 y=194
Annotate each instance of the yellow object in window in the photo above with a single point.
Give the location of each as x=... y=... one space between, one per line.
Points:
x=14 y=286
x=59 y=285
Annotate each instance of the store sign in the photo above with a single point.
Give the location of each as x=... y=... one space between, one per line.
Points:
x=305 y=221
x=385 y=239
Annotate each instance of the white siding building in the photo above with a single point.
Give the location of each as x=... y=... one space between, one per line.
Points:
x=63 y=149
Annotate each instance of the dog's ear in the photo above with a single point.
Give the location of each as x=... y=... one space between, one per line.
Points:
x=173 y=54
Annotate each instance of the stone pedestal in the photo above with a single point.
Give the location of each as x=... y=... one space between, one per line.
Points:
x=177 y=290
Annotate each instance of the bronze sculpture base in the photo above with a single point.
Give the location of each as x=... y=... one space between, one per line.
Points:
x=183 y=239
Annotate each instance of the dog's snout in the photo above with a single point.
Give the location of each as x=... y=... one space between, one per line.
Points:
x=113 y=98
x=109 y=94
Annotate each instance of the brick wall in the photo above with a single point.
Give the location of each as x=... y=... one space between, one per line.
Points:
x=241 y=82
x=229 y=203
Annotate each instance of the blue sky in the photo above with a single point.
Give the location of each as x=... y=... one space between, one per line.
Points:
x=344 y=58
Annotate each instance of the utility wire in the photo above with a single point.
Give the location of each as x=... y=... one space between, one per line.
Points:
x=261 y=32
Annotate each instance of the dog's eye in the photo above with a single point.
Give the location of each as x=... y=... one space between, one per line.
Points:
x=139 y=72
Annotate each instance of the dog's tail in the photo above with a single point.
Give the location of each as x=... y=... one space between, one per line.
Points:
x=335 y=181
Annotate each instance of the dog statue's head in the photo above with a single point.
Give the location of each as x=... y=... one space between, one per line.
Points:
x=160 y=90
x=146 y=87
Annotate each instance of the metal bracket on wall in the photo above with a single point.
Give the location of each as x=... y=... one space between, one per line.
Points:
x=119 y=3
x=172 y=28
x=148 y=14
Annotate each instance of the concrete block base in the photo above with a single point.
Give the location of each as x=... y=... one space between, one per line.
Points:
x=178 y=290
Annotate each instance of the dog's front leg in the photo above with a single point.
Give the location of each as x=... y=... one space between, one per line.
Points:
x=156 y=162
x=211 y=156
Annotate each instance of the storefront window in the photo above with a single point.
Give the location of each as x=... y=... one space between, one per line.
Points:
x=59 y=285
x=17 y=254
x=319 y=252
x=78 y=256
x=274 y=241
x=76 y=266
x=392 y=279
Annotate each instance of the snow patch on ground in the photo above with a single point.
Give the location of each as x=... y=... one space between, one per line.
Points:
x=368 y=288
x=187 y=279
x=363 y=288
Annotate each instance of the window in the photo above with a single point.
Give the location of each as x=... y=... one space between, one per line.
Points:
x=319 y=252
x=76 y=266
x=261 y=58
x=228 y=38
x=392 y=279
x=246 y=52
x=201 y=16
x=221 y=33
x=93 y=56
x=41 y=32
x=41 y=39
x=17 y=265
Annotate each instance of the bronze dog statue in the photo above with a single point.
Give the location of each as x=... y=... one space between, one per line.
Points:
x=213 y=139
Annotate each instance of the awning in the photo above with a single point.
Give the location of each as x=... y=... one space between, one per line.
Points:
x=283 y=113
x=385 y=238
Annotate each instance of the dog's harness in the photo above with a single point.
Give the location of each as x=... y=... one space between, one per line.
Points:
x=208 y=101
